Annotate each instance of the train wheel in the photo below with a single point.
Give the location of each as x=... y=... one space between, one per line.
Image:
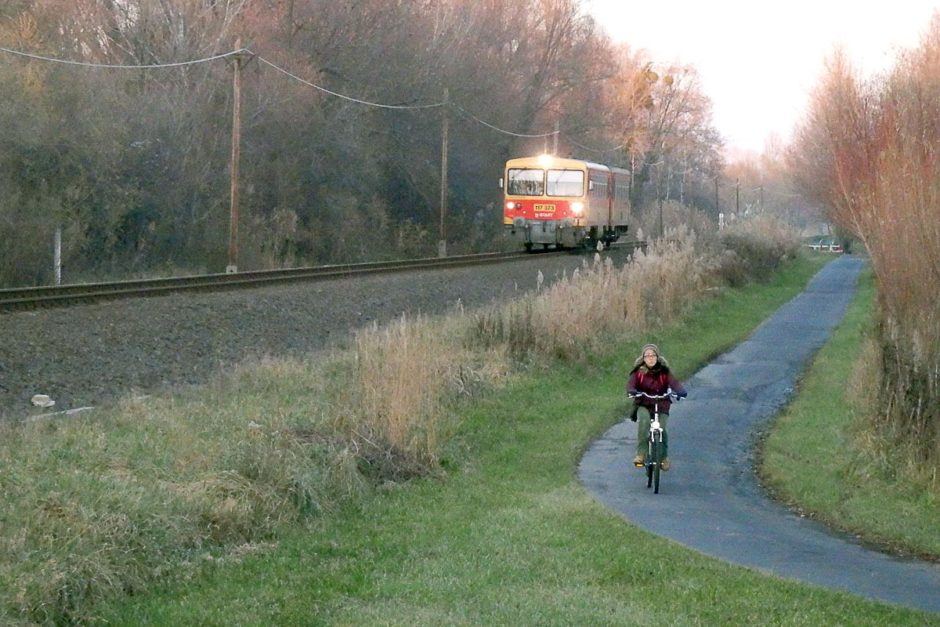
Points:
x=528 y=246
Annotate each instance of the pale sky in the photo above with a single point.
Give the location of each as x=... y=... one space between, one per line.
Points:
x=759 y=61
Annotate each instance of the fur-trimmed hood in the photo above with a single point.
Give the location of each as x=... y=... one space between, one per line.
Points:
x=661 y=362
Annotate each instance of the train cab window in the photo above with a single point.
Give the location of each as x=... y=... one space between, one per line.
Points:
x=565 y=183
x=525 y=182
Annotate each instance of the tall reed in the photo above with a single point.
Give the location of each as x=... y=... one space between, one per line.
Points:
x=579 y=313
x=872 y=151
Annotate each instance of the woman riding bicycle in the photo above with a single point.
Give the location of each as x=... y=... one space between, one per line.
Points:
x=651 y=375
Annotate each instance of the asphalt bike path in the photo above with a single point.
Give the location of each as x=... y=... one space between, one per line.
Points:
x=710 y=499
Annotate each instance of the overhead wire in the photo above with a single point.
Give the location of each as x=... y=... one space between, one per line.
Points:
x=501 y=130
x=345 y=97
x=320 y=88
x=150 y=66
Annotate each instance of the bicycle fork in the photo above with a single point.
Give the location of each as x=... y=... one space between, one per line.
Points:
x=655 y=453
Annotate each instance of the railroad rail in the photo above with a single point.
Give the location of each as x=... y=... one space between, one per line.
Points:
x=64 y=295
x=20 y=298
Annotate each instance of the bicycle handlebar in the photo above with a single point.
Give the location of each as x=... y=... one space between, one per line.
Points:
x=656 y=397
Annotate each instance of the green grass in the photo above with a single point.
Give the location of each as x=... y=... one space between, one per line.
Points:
x=509 y=536
x=818 y=456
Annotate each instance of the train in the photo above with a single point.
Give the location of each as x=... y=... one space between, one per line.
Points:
x=554 y=202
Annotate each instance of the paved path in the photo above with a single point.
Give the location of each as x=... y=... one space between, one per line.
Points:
x=710 y=500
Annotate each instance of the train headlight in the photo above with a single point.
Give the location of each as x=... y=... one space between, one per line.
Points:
x=577 y=208
x=512 y=205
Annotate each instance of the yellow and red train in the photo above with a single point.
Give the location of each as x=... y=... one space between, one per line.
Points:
x=565 y=203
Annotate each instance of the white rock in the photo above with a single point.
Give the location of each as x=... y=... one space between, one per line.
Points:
x=42 y=400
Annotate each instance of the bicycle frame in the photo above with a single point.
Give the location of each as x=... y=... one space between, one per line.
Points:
x=654 y=456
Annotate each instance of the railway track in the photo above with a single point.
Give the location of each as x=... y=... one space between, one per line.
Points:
x=64 y=295
x=25 y=298
x=85 y=356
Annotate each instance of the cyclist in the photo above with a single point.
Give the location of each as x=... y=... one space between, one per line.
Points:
x=651 y=375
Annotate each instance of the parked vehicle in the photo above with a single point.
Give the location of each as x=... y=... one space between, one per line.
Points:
x=826 y=245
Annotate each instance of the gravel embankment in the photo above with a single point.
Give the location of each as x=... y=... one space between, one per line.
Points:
x=90 y=354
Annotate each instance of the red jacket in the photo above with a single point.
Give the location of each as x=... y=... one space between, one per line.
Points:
x=655 y=381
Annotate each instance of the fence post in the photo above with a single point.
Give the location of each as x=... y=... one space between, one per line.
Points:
x=57 y=255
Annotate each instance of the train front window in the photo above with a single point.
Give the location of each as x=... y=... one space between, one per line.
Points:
x=565 y=183
x=525 y=182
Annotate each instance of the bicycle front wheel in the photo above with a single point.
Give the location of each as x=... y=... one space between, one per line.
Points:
x=655 y=461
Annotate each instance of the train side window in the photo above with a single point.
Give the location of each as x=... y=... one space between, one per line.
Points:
x=599 y=188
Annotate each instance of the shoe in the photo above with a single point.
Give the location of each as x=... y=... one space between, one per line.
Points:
x=664 y=465
x=639 y=461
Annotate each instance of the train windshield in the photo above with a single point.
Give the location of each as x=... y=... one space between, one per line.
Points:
x=565 y=183
x=525 y=182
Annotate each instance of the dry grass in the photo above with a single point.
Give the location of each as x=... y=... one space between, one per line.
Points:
x=408 y=375
x=576 y=314
x=885 y=447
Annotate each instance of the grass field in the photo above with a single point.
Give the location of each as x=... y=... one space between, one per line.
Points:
x=853 y=485
x=508 y=535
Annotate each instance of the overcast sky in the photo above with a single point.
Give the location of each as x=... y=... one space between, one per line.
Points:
x=758 y=61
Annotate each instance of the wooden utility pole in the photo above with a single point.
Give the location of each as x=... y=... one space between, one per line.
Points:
x=662 y=230
x=442 y=243
x=236 y=156
x=717 y=203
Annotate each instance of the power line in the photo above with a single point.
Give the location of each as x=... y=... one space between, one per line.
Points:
x=602 y=151
x=500 y=130
x=349 y=98
x=153 y=66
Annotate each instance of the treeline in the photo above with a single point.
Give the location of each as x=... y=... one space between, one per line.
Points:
x=869 y=151
x=342 y=111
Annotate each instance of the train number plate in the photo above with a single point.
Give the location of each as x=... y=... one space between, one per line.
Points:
x=545 y=208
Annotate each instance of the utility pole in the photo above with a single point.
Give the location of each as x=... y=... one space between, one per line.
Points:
x=662 y=232
x=717 y=203
x=737 y=197
x=555 y=140
x=236 y=156
x=442 y=243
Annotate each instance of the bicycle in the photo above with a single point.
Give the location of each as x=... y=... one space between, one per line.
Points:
x=655 y=441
